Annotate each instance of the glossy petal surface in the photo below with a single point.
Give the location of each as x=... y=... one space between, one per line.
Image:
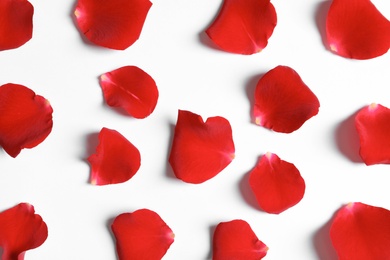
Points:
x=25 y=118
x=243 y=26
x=236 y=240
x=20 y=230
x=114 y=24
x=356 y=29
x=361 y=232
x=200 y=150
x=131 y=89
x=283 y=102
x=141 y=235
x=277 y=184
x=116 y=159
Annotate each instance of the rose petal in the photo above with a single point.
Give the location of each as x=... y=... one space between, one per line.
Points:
x=283 y=102
x=236 y=240
x=130 y=88
x=277 y=184
x=20 y=230
x=116 y=159
x=141 y=235
x=25 y=118
x=356 y=29
x=200 y=150
x=361 y=232
x=16 y=26
x=114 y=24
x=243 y=27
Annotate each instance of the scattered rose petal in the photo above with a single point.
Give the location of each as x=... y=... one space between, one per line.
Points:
x=243 y=26
x=356 y=29
x=25 y=118
x=130 y=88
x=361 y=232
x=277 y=184
x=114 y=24
x=116 y=159
x=20 y=230
x=200 y=150
x=141 y=235
x=283 y=102
x=16 y=26
x=236 y=240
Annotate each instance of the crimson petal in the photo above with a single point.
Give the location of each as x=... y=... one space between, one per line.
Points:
x=200 y=150
x=283 y=102
x=116 y=159
x=25 y=118
x=114 y=24
x=141 y=235
x=21 y=230
x=356 y=29
x=130 y=88
x=243 y=26
x=277 y=184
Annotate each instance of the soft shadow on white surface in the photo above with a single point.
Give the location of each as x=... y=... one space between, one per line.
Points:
x=320 y=19
x=212 y=230
x=250 y=88
x=108 y=224
x=168 y=169
x=247 y=193
x=323 y=244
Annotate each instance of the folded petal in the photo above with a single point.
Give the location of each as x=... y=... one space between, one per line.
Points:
x=131 y=89
x=283 y=102
x=25 y=118
x=200 y=150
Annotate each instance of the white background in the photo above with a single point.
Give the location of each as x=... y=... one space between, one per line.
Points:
x=192 y=75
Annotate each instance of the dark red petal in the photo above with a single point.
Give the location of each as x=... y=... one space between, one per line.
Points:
x=236 y=240
x=20 y=230
x=200 y=150
x=361 y=232
x=25 y=118
x=356 y=29
x=141 y=235
x=16 y=24
x=243 y=26
x=277 y=184
x=116 y=159
x=130 y=88
x=114 y=24
x=283 y=102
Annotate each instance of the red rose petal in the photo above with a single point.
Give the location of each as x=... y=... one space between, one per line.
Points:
x=16 y=25
x=243 y=26
x=141 y=235
x=20 y=230
x=130 y=88
x=25 y=118
x=277 y=184
x=283 y=102
x=236 y=240
x=361 y=232
x=200 y=150
x=116 y=159
x=356 y=29
x=114 y=24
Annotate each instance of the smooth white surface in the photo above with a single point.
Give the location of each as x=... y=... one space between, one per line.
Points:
x=193 y=76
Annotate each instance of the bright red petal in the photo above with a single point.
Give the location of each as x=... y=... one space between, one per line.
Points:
x=141 y=235
x=277 y=184
x=356 y=29
x=114 y=24
x=16 y=24
x=200 y=150
x=283 y=102
x=361 y=232
x=130 y=88
x=236 y=240
x=116 y=159
x=20 y=230
x=25 y=118
x=243 y=26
